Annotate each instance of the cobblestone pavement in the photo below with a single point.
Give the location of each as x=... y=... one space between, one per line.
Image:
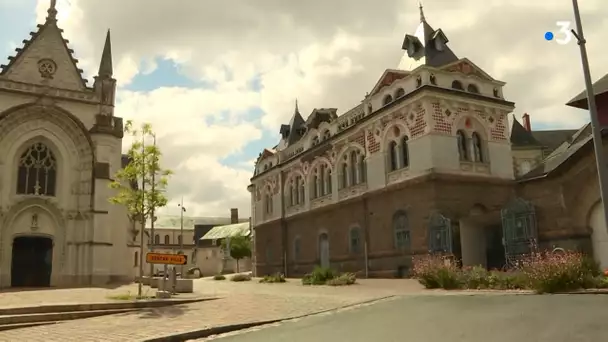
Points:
x=240 y=303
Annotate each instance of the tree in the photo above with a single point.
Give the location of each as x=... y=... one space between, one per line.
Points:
x=140 y=185
x=240 y=247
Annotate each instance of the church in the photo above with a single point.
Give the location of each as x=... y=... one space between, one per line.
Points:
x=60 y=144
x=427 y=162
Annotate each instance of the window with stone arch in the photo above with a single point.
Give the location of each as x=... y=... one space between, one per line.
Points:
x=477 y=144
x=393 y=155
x=295 y=191
x=471 y=88
x=157 y=239
x=37 y=171
x=400 y=93
x=457 y=85
x=462 y=141
x=401 y=230
x=326 y=135
x=405 y=153
x=321 y=180
x=354 y=240
x=167 y=241
x=387 y=99
x=268 y=203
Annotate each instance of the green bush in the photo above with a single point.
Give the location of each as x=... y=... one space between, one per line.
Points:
x=558 y=272
x=219 y=277
x=434 y=272
x=342 y=280
x=476 y=277
x=327 y=276
x=240 y=277
x=275 y=278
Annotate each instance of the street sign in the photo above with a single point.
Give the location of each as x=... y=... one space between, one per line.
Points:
x=166 y=259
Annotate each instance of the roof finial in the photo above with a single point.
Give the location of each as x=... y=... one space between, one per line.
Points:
x=296 y=110
x=52 y=11
x=422 y=18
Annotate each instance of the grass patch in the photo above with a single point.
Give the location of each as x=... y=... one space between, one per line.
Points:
x=240 y=277
x=130 y=296
x=275 y=278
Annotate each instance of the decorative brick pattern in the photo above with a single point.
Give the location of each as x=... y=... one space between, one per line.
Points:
x=419 y=126
x=373 y=146
x=467 y=68
x=443 y=123
x=498 y=132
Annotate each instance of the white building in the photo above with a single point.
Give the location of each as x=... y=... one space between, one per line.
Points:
x=59 y=147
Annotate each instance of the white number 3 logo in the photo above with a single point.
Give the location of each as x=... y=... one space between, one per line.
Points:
x=564 y=29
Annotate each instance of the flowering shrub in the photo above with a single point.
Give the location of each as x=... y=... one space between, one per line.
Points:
x=435 y=272
x=556 y=272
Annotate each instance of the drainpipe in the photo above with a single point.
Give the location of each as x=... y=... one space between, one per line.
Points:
x=366 y=236
x=283 y=223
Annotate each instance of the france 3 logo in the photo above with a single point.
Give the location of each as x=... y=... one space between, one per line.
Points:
x=563 y=36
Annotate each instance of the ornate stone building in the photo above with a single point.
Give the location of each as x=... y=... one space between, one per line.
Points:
x=425 y=163
x=60 y=144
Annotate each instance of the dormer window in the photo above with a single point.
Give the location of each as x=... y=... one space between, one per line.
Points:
x=471 y=88
x=326 y=135
x=413 y=46
x=387 y=99
x=496 y=92
x=439 y=40
x=433 y=79
x=457 y=85
x=400 y=93
x=369 y=108
x=315 y=141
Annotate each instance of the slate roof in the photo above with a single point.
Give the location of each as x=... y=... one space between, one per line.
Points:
x=521 y=137
x=554 y=138
x=293 y=131
x=222 y=232
x=421 y=50
x=599 y=87
x=561 y=154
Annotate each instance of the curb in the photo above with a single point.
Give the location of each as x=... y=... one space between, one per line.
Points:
x=584 y=292
x=207 y=332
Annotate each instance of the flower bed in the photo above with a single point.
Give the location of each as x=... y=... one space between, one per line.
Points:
x=547 y=272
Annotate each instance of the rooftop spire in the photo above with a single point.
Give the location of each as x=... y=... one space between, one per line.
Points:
x=105 y=66
x=422 y=18
x=52 y=11
x=297 y=110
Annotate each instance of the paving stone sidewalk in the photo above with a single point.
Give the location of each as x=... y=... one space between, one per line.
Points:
x=240 y=303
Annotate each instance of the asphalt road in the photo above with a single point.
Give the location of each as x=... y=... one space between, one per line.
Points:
x=451 y=318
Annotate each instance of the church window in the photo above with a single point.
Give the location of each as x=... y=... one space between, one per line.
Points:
x=315 y=185
x=387 y=99
x=400 y=93
x=393 y=156
x=477 y=148
x=355 y=240
x=157 y=239
x=37 y=171
x=301 y=190
x=401 y=230
x=457 y=85
x=167 y=241
x=405 y=154
x=327 y=183
x=462 y=145
x=471 y=88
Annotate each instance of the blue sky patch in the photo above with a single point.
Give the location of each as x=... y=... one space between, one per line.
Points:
x=16 y=21
x=166 y=74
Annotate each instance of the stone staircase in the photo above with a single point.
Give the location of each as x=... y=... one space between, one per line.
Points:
x=31 y=316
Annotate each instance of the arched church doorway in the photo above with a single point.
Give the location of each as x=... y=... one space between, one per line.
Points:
x=32 y=261
x=324 y=250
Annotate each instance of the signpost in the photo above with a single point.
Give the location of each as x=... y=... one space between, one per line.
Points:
x=167 y=259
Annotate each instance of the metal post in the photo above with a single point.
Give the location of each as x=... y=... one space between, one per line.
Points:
x=142 y=218
x=181 y=232
x=152 y=212
x=165 y=276
x=598 y=145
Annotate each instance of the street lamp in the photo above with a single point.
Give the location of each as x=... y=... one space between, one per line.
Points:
x=181 y=231
x=595 y=125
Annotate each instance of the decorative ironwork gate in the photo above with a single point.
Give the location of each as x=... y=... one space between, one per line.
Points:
x=519 y=229
x=440 y=234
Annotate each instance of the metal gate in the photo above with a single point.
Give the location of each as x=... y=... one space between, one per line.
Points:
x=519 y=229
x=440 y=234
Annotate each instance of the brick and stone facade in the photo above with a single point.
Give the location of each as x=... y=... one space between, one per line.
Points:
x=423 y=164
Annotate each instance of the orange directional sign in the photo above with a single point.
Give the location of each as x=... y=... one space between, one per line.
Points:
x=166 y=259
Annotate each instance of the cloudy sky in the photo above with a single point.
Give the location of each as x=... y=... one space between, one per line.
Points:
x=217 y=78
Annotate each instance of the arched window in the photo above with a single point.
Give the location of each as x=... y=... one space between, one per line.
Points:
x=405 y=154
x=400 y=93
x=471 y=88
x=314 y=187
x=291 y=196
x=302 y=190
x=328 y=189
x=179 y=239
x=457 y=85
x=315 y=141
x=269 y=204
x=266 y=167
x=354 y=180
x=167 y=240
x=297 y=247
x=344 y=175
x=477 y=147
x=401 y=229
x=326 y=135
x=37 y=171
x=393 y=156
x=369 y=108
x=462 y=145
x=321 y=181
x=362 y=169
x=387 y=99
x=354 y=240
x=136 y=259
x=157 y=239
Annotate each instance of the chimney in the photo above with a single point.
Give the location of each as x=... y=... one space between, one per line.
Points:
x=234 y=215
x=526 y=120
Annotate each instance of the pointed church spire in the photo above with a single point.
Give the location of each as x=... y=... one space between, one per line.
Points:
x=52 y=11
x=105 y=66
x=422 y=18
x=297 y=110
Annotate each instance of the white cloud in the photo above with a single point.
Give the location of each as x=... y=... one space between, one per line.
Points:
x=325 y=53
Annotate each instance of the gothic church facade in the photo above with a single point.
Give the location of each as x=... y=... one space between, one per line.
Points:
x=60 y=144
x=426 y=163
